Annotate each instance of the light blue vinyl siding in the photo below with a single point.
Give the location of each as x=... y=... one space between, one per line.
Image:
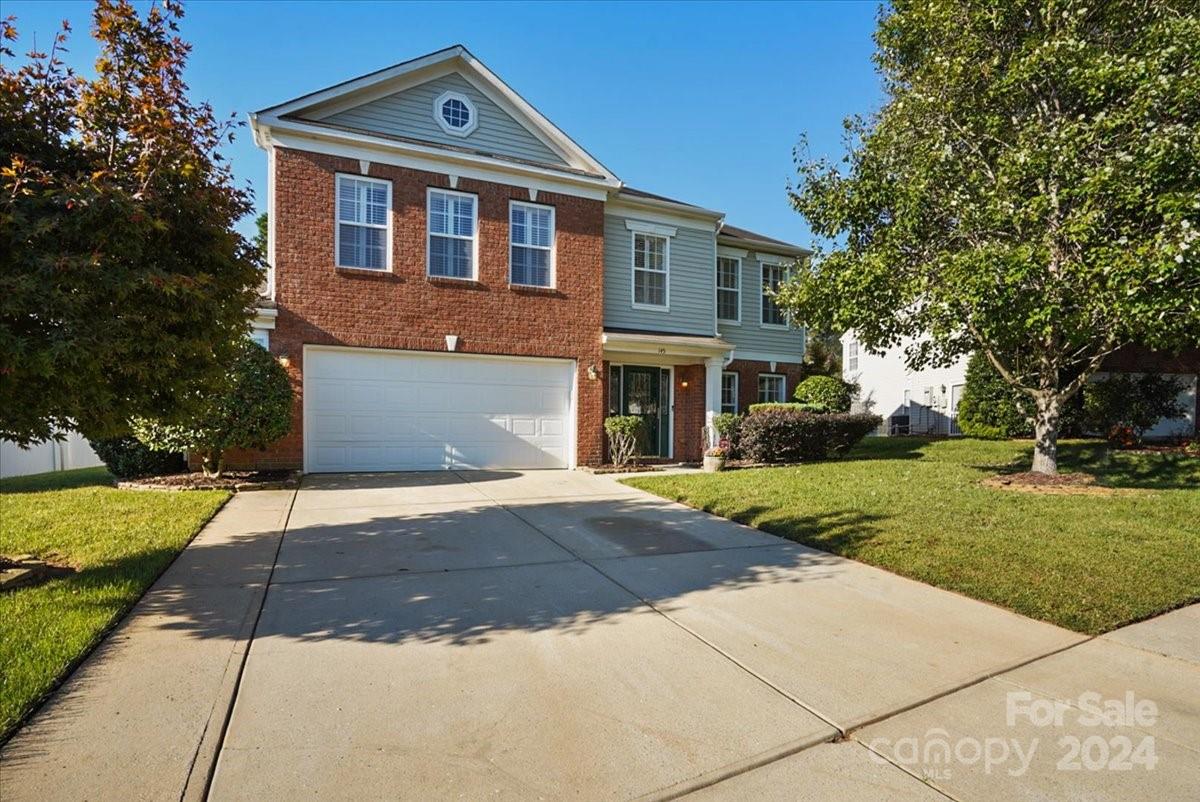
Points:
x=410 y=114
x=690 y=281
x=750 y=337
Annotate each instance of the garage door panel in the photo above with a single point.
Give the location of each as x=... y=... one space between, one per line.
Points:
x=377 y=410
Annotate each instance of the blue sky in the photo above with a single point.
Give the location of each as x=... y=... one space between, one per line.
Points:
x=698 y=101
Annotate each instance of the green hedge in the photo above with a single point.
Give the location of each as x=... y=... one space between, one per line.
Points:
x=127 y=458
x=783 y=433
x=796 y=406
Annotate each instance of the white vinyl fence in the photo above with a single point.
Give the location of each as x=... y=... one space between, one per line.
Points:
x=53 y=455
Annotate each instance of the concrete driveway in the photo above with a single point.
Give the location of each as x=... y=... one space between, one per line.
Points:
x=541 y=634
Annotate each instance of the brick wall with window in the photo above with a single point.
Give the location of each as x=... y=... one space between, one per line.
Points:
x=405 y=308
x=748 y=372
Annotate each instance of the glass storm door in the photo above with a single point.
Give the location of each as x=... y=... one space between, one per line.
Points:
x=646 y=392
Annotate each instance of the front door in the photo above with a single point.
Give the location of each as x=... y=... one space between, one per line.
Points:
x=645 y=392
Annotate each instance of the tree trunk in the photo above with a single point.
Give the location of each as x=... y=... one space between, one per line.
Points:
x=213 y=463
x=1045 y=432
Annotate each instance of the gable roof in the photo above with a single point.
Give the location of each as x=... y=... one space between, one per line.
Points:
x=313 y=108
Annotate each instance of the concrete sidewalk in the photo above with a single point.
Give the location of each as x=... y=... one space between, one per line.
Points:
x=142 y=717
x=552 y=634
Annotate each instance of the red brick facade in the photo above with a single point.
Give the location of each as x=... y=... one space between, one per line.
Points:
x=747 y=371
x=319 y=304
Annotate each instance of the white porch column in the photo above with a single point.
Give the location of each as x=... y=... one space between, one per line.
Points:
x=712 y=394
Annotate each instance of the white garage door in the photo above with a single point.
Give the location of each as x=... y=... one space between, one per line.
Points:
x=368 y=410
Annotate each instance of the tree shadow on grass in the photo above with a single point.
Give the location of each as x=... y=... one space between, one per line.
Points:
x=841 y=532
x=1116 y=468
x=889 y=448
x=57 y=480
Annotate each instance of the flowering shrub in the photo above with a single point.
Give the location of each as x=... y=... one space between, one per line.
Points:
x=717 y=451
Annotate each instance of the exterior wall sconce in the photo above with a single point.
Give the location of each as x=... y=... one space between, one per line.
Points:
x=284 y=360
x=683 y=384
x=592 y=372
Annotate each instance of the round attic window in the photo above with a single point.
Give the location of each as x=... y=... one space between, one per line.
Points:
x=455 y=113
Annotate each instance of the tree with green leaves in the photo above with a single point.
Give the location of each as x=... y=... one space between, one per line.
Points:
x=123 y=284
x=251 y=408
x=1030 y=190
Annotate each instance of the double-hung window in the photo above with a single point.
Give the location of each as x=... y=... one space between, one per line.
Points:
x=852 y=355
x=772 y=277
x=531 y=237
x=729 y=392
x=650 y=259
x=363 y=220
x=452 y=226
x=770 y=388
x=729 y=289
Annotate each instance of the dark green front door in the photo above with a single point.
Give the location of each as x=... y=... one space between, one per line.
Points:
x=646 y=392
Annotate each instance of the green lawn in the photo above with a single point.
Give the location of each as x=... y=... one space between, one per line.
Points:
x=915 y=506
x=118 y=540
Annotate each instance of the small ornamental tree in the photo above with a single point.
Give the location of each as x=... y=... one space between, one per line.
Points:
x=834 y=394
x=252 y=409
x=1029 y=190
x=123 y=283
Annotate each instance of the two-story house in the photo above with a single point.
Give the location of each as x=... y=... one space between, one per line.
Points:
x=456 y=283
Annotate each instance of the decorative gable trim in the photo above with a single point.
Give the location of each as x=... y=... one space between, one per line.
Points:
x=457 y=59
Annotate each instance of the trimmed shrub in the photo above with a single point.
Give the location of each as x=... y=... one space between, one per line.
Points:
x=625 y=436
x=993 y=409
x=1122 y=405
x=128 y=458
x=779 y=434
x=990 y=407
x=251 y=409
x=729 y=430
x=795 y=406
x=830 y=392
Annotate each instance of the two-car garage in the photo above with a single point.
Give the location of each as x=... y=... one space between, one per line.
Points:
x=376 y=410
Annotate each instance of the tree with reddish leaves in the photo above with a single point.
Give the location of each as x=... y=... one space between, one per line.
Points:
x=124 y=287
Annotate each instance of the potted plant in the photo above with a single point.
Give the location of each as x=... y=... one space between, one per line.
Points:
x=714 y=459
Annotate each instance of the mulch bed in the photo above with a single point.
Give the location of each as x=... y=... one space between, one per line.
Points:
x=237 y=481
x=1062 y=484
x=637 y=468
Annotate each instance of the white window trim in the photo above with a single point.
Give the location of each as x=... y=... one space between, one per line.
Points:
x=429 y=234
x=337 y=224
x=666 y=271
x=736 y=390
x=650 y=228
x=852 y=350
x=553 y=245
x=738 y=290
x=447 y=127
x=782 y=383
x=761 y=293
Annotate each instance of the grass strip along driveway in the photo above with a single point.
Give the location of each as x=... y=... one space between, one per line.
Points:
x=117 y=542
x=915 y=506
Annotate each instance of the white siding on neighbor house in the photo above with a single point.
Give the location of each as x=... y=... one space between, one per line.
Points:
x=691 y=281
x=74 y=452
x=750 y=337
x=410 y=114
x=884 y=379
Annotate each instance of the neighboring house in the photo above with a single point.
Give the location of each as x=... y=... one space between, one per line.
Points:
x=926 y=401
x=456 y=283
x=52 y=455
